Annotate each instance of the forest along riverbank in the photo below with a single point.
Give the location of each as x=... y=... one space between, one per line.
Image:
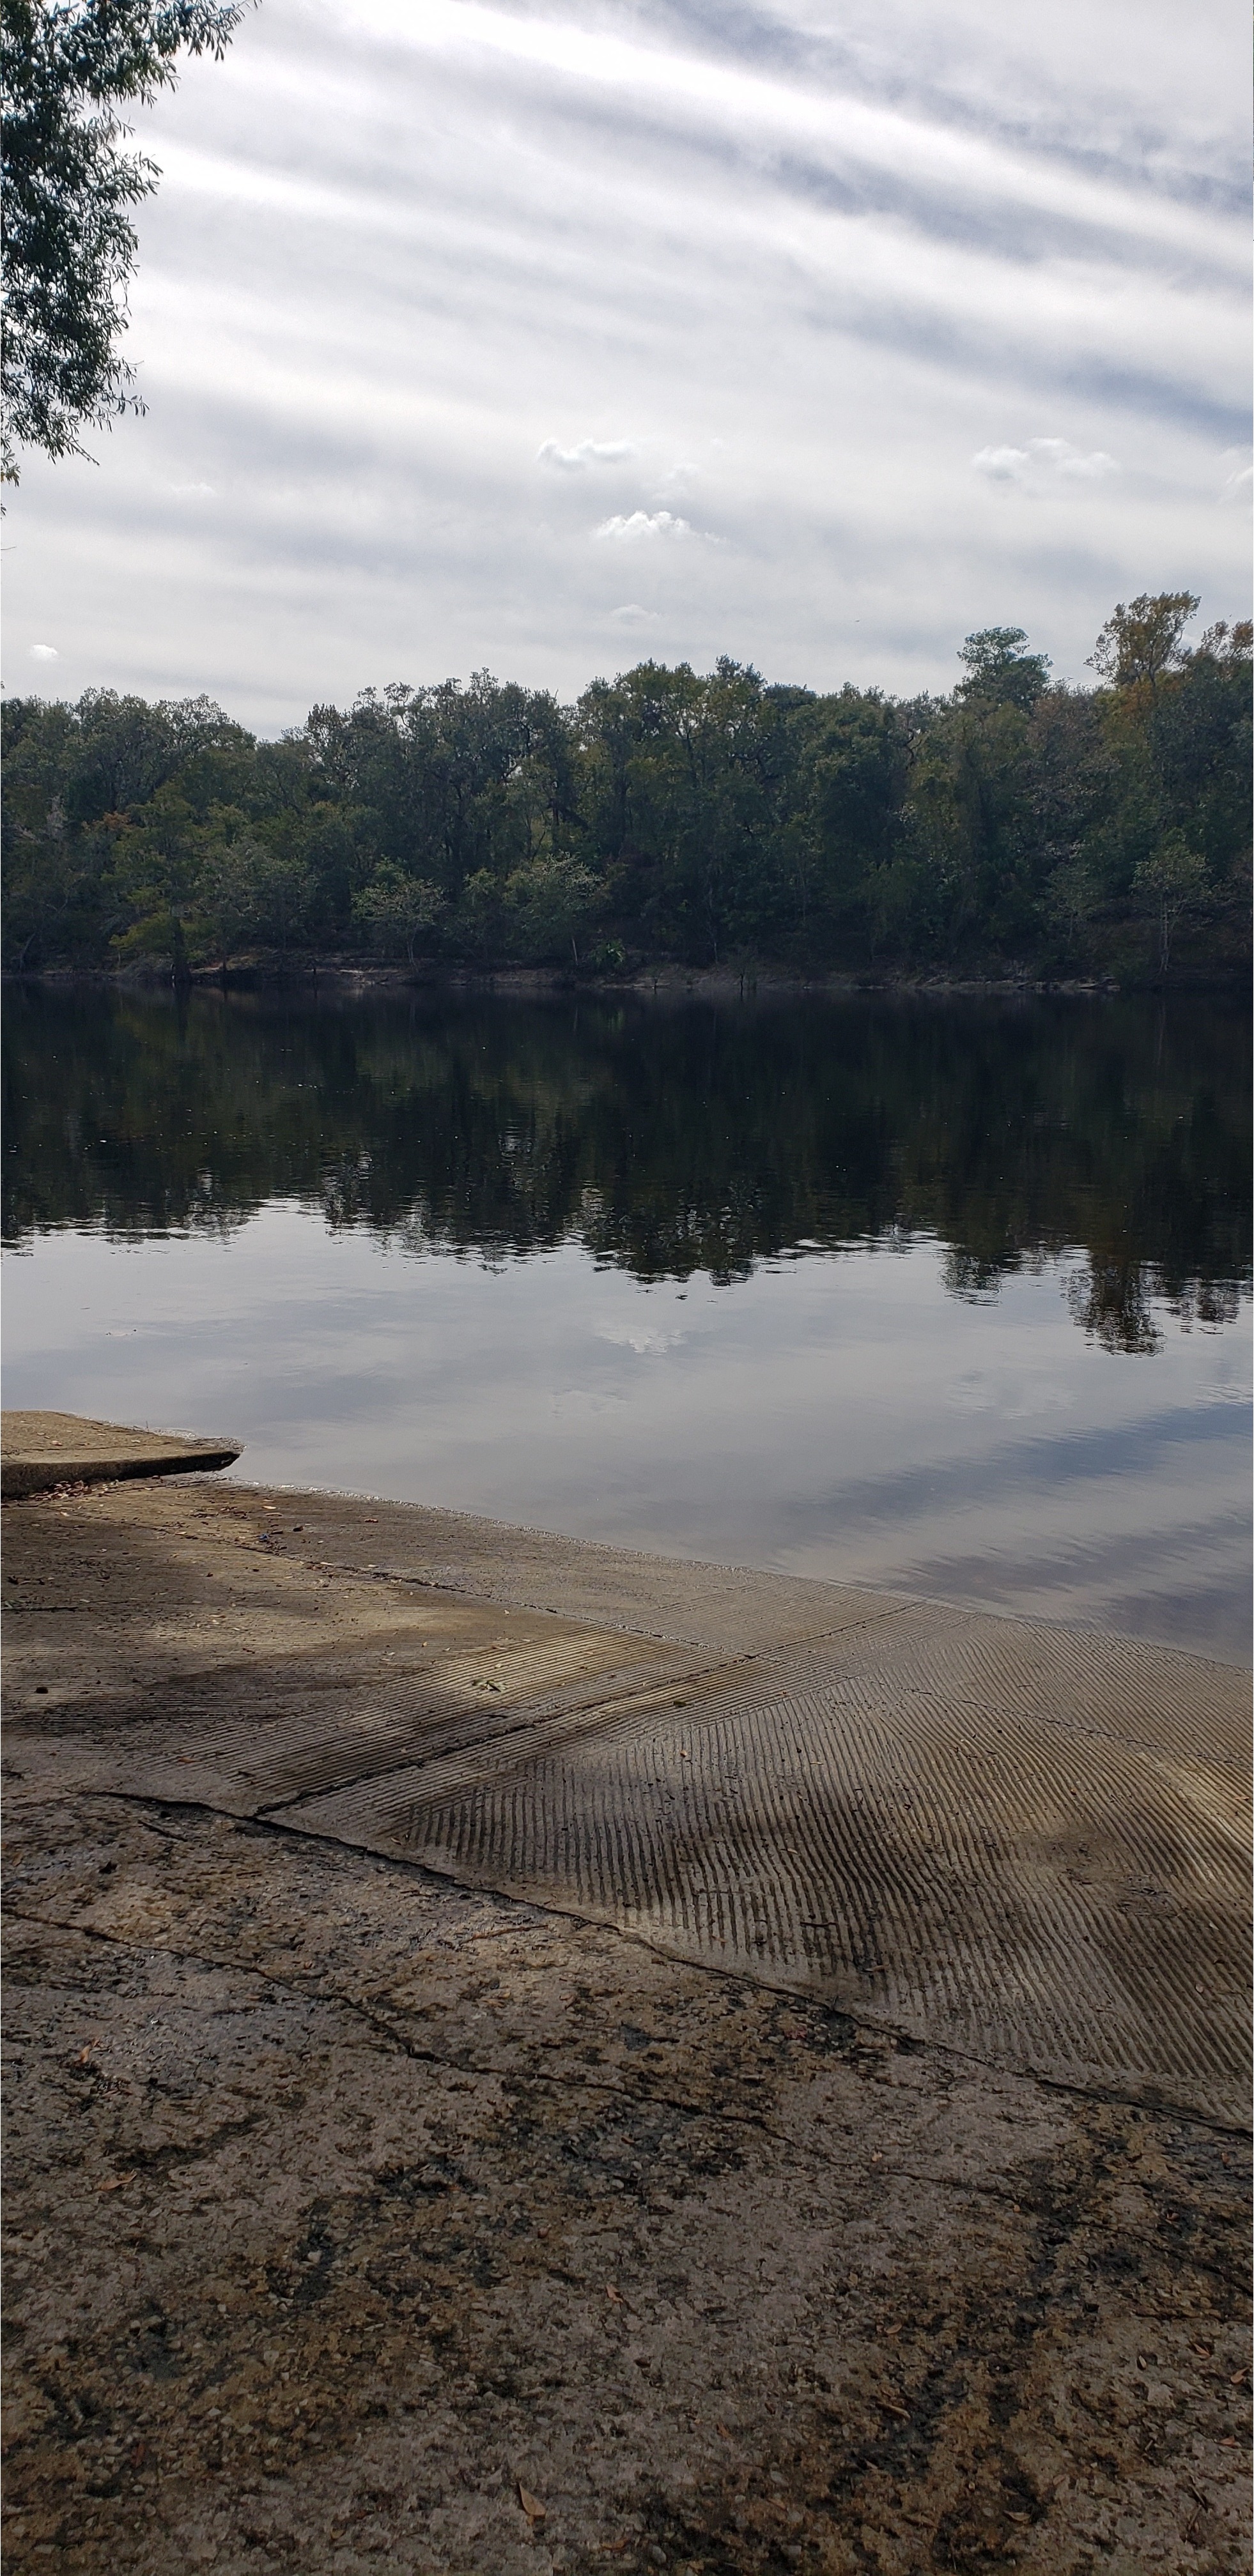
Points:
x=361 y=2211
x=697 y=818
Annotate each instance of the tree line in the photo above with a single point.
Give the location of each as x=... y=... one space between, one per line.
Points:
x=1015 y=824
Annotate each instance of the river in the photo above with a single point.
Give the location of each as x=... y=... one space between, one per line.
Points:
x=940 y=1294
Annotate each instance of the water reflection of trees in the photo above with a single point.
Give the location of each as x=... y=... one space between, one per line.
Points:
x=665 y=1140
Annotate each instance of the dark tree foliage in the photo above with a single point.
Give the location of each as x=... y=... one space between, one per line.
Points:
x=69 y=183
x=1014 y=826
x=1000 y=672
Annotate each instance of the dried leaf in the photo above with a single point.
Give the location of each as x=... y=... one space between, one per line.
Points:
x=117 y=2182
x=531 y=2505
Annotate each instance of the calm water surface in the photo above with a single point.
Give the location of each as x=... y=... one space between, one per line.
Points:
x=945 y=1295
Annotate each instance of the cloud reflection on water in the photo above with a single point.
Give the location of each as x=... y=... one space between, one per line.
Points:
x=934 y=1296
x=800 y=1419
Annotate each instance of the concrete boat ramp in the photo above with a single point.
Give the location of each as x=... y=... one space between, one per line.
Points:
x=328 y=1818
x=43 y=1450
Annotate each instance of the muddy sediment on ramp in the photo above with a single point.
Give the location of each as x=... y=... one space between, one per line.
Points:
x=876 y=2204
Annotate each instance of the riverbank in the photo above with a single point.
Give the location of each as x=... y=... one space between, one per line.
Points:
x=385 y=2192
x=664 y=979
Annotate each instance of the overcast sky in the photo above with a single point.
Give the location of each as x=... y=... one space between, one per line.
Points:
x=546 y=337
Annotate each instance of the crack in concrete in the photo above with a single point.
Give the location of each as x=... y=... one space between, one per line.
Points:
x=781 y=2245
x=544 y=1609
x=594 y=1711
x=270 y=1821
x=541 y=2078
x=546 y=2079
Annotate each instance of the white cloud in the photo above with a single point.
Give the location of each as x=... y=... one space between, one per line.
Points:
x=642 y=528
x=1043 y=460
x=44 y=653
x=1002 y=464
x=590 y=451
x=829 y=254
x=1069 y=461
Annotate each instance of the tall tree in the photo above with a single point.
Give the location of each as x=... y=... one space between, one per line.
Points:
x=69 y=182
x=1142 y=640
x=999 y=672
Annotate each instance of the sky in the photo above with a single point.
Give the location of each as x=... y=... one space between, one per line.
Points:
x=545 y=339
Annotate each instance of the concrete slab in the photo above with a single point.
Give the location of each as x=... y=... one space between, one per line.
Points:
x=249 y=1738
x=39 y=1451
x=1019 y=1840
x=343 y=2204
x=730 y=1608
x=1009 y=1840
x=358 y=2214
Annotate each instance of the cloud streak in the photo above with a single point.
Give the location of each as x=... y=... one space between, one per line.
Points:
x=945 y=317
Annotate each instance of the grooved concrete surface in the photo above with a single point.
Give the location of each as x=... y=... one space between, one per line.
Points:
x=360 y=2214
x=1026 y=1844
x=1025 y=1841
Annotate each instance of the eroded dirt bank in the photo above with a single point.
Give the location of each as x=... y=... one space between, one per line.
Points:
x=357 y=2218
